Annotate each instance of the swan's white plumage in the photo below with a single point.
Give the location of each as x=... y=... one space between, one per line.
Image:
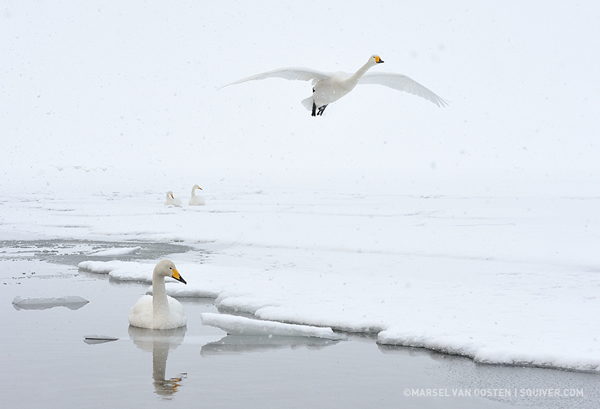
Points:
x=196 y=200
x=329 y=87
x=142 y=314
x=159 y=311
x=172 y=200
x=290 y=73
x=402 y=83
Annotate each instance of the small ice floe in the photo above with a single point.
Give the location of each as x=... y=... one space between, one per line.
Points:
x=98 y=339
x=71 y=302
x=246 y=326
x=116 y=251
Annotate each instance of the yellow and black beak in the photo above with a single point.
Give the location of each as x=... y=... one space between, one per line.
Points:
x=178 y=276
x=378 y=60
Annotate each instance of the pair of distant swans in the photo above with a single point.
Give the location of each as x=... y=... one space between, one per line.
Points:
x=329 y=87
x=194 y=200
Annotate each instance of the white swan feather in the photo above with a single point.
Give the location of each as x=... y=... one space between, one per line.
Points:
x=402 y=83
x=290 y=73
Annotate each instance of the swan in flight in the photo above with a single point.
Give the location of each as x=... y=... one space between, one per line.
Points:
x=196 y=200
x=329 y=87
x=159 y=311
x=172 y=200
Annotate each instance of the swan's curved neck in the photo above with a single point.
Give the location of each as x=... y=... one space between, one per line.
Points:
x=193 y=192
x=361 y=71
x=160 y=303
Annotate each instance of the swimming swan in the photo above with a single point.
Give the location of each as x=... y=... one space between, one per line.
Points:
x=159 y=311
x=171 y=200
x=196 y=200
x=329 y=87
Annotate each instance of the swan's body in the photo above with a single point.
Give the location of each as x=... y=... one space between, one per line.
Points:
x=329 y=87
x=172 y=200
x=196 y=200
x=159 y=311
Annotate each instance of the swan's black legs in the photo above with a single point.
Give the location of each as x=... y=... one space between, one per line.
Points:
x=320 y=111
x=314 y=108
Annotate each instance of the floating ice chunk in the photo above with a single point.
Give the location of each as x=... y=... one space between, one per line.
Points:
x=116 y=251
x=247 y=326
x=119 y=270
x=98 y=339
x=71 y=302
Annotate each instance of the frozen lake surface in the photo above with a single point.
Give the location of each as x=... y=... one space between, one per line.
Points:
x=203 y=364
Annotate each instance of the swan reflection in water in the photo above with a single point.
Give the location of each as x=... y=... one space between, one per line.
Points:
x=159 y=342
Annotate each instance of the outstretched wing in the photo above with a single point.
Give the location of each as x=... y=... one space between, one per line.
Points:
x=302 y=74
x=402 y=83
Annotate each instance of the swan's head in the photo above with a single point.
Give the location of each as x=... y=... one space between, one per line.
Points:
x=170 y=195
x=375 y=59
x=166 y=268
x=197 y=187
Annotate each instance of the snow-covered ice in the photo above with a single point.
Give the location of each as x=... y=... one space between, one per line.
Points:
x=119 y=270
x=500 y=278
x=246 y=326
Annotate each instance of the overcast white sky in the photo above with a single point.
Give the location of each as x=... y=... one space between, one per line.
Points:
x=134 y=84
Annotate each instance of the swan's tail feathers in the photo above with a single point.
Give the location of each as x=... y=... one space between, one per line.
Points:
x=308 y=103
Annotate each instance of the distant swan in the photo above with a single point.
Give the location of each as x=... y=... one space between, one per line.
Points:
x=159 y=311
x=196 y=200
x=329 y=87
x=172 y=200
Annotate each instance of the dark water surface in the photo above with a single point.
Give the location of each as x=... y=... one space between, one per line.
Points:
x=48 y=363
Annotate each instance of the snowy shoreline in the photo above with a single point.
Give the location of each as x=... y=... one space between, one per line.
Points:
x=500 y=277
x=233 y=289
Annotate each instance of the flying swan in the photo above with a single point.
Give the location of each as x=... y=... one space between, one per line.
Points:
x=159 y=311
x=329 y=87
